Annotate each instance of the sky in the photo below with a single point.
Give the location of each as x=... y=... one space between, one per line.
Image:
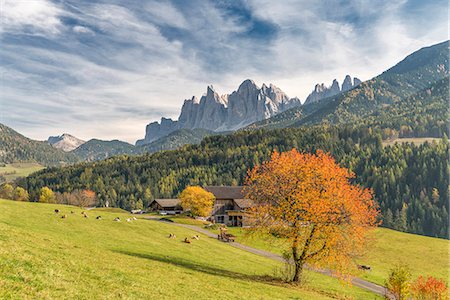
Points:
x=105 y=69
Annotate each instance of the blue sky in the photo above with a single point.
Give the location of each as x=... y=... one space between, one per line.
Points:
x=105 y=69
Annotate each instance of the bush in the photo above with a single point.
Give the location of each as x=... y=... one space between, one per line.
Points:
x=398 y=282
x=429 y=289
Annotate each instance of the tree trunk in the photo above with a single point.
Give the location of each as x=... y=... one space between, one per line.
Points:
x=299 y=260
x=298 y=271
x=297 y=263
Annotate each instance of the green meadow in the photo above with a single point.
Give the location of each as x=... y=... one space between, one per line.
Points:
x=44 y=256
x=387 y=247
x=15 y=170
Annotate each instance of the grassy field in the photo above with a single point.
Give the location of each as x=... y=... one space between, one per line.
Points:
x=417 y=141
x=43 y=256
x=424 y=255
x=12 y=171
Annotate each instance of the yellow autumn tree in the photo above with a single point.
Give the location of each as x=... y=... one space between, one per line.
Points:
x=197 y=200
x=46 y=195
x=309 y=200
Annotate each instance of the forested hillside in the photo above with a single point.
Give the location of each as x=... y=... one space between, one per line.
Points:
x=410 y=182
x=14 y=147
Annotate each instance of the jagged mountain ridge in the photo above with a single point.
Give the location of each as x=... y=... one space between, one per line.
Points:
x=321 y=91
x=248 y=104
x=65 y=142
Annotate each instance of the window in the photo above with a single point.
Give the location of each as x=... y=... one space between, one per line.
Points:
x=220 y=219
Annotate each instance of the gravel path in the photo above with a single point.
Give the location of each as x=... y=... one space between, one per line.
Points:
x=364 y=284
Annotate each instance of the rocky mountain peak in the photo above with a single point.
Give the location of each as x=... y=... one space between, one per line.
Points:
x=246 y=105
x=65 y=142
x=246 y=86
x=347 y=84
x=322 y=91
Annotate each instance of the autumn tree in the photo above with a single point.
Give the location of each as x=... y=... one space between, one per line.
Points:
x=20 y=194
x=6 y=191
x=87 y=198
x=429 y=289
x=309 y=200
x=398 y=282
x=46 y=195
x=197 y=200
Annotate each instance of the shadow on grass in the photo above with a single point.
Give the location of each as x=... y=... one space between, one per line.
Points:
x=204 y=268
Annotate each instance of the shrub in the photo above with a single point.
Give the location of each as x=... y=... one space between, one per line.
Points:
x=429 y=289
x=398 y=282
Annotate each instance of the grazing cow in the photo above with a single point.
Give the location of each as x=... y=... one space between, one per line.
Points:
x=99 y=217
x=172 y=236
x=129 y=220
x=117 y=219
x=363 y=267
x=72 y=212
x=56 y=210
x=187 y=241
x=196 y=237
x=134 y=218
x=63 y=216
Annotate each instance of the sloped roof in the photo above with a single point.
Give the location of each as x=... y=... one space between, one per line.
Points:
x=168 y=202
x=226 y=192
x=244 y=203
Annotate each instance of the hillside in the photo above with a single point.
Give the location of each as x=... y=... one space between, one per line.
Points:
x=97 y=149
x=15 y=147
x=175 y=140
x=45 y=256
x=387 y=248
x=416 y=72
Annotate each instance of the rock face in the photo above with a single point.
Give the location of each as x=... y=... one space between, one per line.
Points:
x=248 y=104
x=65 y=142
x=321 y=91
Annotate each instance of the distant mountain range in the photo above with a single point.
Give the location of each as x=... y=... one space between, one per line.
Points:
x=248 y=104
x=250 y=107
x=228 y=112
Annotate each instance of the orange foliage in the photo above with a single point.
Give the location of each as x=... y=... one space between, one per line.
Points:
x=88 y=198
x=308 y=199
x=429 y=289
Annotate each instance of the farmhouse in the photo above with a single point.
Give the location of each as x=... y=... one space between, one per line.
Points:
x=230 y=205
x=166 y=206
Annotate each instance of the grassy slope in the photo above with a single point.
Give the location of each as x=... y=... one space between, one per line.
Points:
x=424 y=255
x=14 y=170
x=45 y=256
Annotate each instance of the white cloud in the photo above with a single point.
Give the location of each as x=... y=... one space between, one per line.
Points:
x=31 y=16
x=82 y=29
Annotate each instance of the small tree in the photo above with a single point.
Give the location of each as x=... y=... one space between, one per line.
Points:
x=87 y=198
x=20 y=194
x=429 y=289
x=308 y=199
x=7 y=191
x=398 y=282
x=46 y=195
x=199 y=201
